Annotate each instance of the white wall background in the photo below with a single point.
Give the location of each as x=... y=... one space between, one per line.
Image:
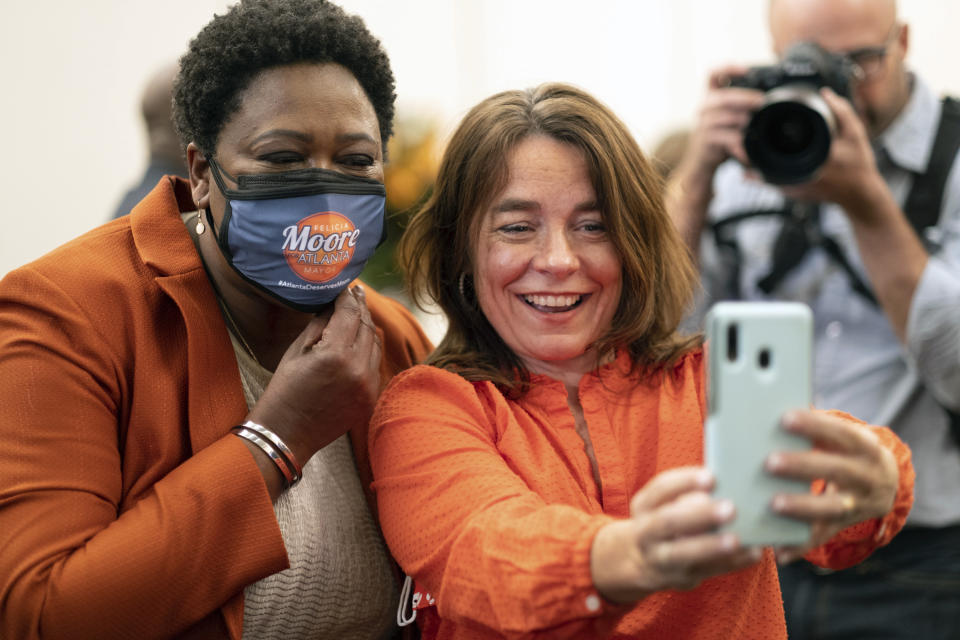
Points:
x=73 y=72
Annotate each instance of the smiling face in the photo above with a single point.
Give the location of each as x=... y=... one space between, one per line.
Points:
x=546 y=275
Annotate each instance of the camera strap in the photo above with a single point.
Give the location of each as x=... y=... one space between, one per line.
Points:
x=922 y=206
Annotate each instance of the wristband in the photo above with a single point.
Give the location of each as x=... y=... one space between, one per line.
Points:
x=280 y=445
x=268 y=449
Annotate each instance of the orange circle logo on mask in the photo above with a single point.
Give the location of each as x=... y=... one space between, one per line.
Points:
x=319 y=246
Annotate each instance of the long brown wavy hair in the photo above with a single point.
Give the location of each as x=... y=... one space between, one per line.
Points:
x=436 y=249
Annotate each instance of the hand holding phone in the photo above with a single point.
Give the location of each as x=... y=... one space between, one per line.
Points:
x=758 y=368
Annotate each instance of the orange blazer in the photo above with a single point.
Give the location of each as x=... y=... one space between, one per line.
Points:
x=127 y=510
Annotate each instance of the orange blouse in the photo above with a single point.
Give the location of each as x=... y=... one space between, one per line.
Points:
x=491 y=505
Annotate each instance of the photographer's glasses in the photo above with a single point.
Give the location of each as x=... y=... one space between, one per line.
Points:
x=867 y=62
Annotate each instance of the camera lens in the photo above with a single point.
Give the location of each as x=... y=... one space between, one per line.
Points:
x=791 y=134
x=788 y=139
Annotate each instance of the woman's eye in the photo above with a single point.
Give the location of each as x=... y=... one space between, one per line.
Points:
x=516 y=227
x=594 y=227
x=281 y=157
x=360 y=160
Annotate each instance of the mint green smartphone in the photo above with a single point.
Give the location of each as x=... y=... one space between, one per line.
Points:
x=758 y=367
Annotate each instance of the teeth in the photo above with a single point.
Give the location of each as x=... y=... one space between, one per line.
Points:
x=552 y=301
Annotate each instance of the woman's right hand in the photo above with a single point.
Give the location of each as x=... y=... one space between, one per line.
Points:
x=670 y=540
x=328 y=380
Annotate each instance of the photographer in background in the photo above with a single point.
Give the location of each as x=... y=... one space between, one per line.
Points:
x=871 y=241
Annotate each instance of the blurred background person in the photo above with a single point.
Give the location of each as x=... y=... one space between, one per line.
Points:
x=165 y=155
x=185 y=391
x=869 y=237
x=669 y=150
x=542 y=475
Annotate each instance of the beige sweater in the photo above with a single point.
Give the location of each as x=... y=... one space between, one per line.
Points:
x=339 y=584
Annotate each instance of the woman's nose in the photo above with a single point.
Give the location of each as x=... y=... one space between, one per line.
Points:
x=321 y=162
x=557 y=255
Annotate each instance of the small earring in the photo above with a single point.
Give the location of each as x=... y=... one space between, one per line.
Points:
x=199 y=228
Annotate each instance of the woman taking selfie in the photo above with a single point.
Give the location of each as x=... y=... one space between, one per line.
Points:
x=185 y=391
x=542 y=475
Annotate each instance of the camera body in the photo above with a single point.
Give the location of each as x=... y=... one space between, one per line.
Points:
x=788 y=138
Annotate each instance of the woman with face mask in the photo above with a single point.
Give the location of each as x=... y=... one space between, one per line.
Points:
x=185 y=391
x=542 y=475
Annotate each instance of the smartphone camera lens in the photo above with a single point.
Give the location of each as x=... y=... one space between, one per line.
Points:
x=763 y=358
x=732 y=332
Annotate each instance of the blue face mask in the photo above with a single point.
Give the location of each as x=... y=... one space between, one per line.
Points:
x=301 y=236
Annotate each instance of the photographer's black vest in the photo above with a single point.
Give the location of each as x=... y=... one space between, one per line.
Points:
x=801 y=229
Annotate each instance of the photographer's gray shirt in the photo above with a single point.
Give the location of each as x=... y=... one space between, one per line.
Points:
x=859 y=364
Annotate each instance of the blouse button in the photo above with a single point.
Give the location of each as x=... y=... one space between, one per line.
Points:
x=593 y=603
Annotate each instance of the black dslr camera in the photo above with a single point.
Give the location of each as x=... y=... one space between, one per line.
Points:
x=788 y=138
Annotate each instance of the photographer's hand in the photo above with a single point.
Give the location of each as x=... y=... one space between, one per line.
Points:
x=717 y=135
x=724 y=114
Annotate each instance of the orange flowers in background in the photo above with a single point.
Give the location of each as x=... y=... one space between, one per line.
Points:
x=412 y=158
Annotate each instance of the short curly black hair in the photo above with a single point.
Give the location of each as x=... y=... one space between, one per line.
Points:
x=255 y=35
